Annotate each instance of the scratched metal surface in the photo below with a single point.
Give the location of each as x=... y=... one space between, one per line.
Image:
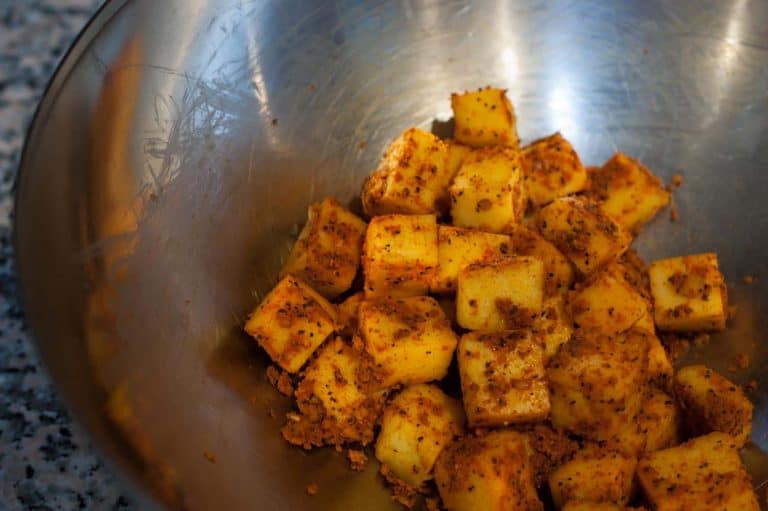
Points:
x=180 y=143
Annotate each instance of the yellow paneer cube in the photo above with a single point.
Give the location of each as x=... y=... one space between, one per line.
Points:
x=484 y=117
x=551 y=169
x=335 y=406
x=409 y=339
x=606 y=303
x=457 y=248
x=490 y=473
x=327 y=253
x=558 y=271
x=595 y=473
x=416 y=425
x=487 y=192
x=553 y=327
x=400 y=255
x=582 y=232
x=502 y=295
x=412 y=177
x=596 y=384
x=711 y=402
x=502 y=378
x=700 y=475
x=660 y=421
x=627 y=191
x=291 y=322
x=689 y=293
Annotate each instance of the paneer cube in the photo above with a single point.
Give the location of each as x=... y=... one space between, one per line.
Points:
x=348 y=313
x=487 y=193
x=412 y=177
x=660 y=421
x=291 y=322
x=558 y=271
x=457 y=248
x=409 y=339
x=605 y=303
x=700 y=475
x=551 y=169
x=595 y=473
x=484 y=117
x=627 y=191
x=502 y=378
x=501 y=295
x=596 y=384
x=490 y=472
x=327 y=253
x=336 y=407
x=416 y=425
x=553 y=327
x=689 y=293
x=400 y=255
x=582 y=232
x=711 y=402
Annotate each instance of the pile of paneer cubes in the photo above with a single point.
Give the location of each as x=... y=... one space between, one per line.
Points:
x=514 y=263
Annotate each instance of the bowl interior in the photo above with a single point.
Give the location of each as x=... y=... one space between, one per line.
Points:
x=173 y=158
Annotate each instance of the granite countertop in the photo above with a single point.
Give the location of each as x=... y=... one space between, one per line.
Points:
x=46 y=461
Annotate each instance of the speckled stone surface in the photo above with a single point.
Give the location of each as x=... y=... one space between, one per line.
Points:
x=46 y=462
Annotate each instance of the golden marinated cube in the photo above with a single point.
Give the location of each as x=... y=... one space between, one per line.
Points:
x=689 y=293
x=502 y=378
x=558 y=271
x=702 y=474
x=595 y=473
x=660 y=421
x=501 y=295
x=400 y=255
x=348 y=313
x=489 y=473
x=553 y=327
x=409 y=339
x=606 y=303
x=627 y=191
x=484 y=117
x=412 y=177
x=327 y=253
x=487 y=192
x=711 y=402
x=582 y=232
x=335 y=405
x=596 y=384
x=551 y=169
x=291 y=322
x=416 y=425
x=457 y=248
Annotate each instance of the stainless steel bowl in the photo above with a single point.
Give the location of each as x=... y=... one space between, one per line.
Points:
x=180 y=142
